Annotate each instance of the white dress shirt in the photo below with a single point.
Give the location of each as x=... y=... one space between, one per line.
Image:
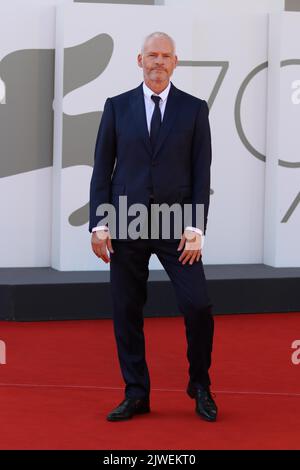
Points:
x=149 y=107
x=149 y=103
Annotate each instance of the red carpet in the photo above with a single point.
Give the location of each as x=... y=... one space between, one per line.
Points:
x=61 y=379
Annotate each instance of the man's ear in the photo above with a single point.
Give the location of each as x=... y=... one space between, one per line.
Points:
x=140 y=60
x=176 y=61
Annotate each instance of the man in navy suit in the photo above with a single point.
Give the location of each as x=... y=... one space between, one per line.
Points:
x=154 y=146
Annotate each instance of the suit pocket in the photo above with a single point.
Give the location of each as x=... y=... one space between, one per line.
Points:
x=182 y=135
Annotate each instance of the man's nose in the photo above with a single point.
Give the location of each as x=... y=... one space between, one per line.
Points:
x=159 y=59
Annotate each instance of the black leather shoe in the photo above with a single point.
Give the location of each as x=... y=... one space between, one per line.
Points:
x=205 y=405
x=128 y=408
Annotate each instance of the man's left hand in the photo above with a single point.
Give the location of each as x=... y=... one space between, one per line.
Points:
x=191 y=241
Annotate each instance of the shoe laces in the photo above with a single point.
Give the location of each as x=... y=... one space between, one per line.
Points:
x=208 y=397
x=123 y=404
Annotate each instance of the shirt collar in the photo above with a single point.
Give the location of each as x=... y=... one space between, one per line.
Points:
x=163 y=95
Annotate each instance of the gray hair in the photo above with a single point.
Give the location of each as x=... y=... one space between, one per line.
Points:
x=158 y=34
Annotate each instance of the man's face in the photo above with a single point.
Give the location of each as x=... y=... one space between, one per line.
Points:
x=157 y=60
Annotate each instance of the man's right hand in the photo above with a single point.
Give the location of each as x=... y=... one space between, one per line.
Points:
x=101 y=244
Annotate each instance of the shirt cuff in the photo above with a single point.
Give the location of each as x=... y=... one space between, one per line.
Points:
x=197 y=230
x=100 y=227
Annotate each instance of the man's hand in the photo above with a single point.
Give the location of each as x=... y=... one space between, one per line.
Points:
x=101 y=242
x=191 y=241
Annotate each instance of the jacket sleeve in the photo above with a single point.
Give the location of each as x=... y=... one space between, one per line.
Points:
x=201 y=162
x=104 y=160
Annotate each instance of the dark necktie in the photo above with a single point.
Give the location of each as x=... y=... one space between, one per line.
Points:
x=155 y=121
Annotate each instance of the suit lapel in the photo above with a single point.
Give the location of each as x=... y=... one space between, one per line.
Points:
x=139 y=116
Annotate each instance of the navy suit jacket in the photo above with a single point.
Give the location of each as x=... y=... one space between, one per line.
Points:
x=176 y=171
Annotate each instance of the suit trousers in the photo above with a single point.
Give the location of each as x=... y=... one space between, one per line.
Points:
x=128 y=276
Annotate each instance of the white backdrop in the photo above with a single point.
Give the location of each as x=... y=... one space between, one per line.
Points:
x=25 y=197
x=282 y=196
x=237 y=176
x=244 y=224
